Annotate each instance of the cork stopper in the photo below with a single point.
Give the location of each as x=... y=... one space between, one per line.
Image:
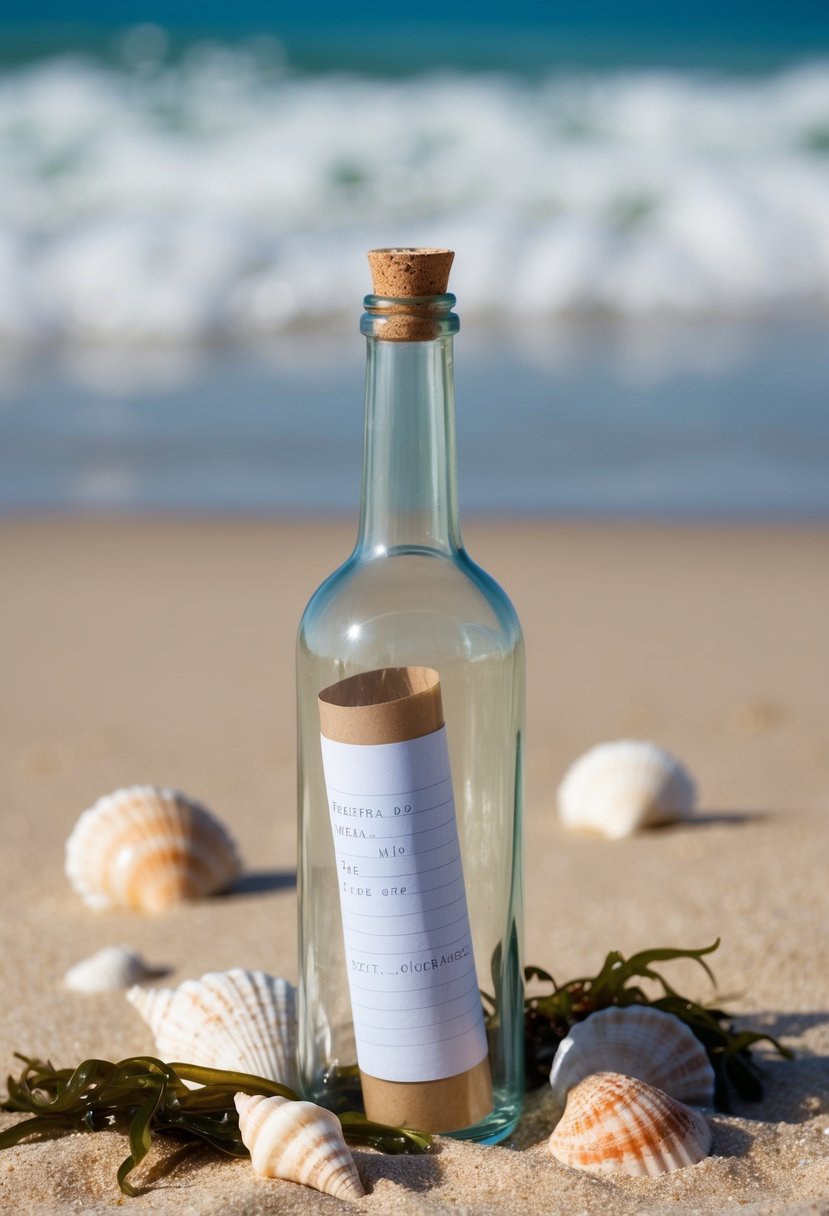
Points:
x=410 y=272
x=411 y=285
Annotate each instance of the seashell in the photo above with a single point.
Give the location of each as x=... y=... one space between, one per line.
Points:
x=616 y=788
x=109 y=969
x=148 y=848
x=614 y=1124
x=240 y=1020
x=641 y=1042
x=299 y=1142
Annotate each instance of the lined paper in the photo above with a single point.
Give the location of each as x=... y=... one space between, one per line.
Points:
x=414 y=993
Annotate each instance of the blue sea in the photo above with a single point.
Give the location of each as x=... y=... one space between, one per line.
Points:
x=638 y=197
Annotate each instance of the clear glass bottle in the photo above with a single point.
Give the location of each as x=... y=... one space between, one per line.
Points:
x=410 y=595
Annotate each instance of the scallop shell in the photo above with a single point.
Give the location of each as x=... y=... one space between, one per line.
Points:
x=641 y=1042
x=108 y=969
x=148 y=848
x=614 y=1124
x=616 y=788
x=240 y=1020
x=299 y=1142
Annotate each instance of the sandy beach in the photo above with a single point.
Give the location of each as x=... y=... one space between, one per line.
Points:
x=157 y=651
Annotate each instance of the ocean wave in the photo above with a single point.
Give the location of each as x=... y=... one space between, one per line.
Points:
x=224 y=194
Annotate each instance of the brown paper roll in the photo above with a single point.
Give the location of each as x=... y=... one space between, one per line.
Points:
x=391 y=705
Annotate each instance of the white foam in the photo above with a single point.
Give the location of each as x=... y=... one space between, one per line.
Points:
x=216 y=197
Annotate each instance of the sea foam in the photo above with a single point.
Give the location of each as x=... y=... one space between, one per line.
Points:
x=216 y=196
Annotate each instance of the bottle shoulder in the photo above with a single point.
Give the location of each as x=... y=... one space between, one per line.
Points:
x=407 y=599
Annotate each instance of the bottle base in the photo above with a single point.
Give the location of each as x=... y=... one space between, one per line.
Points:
x=492 y=1130
x=339 y=1090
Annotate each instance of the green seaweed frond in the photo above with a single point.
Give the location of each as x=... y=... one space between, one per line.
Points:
x=144 y=1096
x=549 y=1016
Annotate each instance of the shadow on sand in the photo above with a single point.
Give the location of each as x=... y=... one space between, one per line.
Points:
x=715 y=818
x=794 y=1090
x=258 y=882
x=415 y=1173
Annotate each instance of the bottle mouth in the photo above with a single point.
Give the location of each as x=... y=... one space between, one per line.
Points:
x=409 y=318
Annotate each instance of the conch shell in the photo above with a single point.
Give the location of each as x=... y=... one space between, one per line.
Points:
x=639 y=1041
x=147 y=848
x=299 y=1142
x=616 y=788
x=244 y=1021
x=613 y=1124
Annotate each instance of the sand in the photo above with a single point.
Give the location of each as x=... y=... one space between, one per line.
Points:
x=163 y=652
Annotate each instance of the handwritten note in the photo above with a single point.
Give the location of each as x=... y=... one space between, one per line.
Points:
x=414 y=992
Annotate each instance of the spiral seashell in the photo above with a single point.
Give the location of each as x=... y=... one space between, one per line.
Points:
x=244 y=1021
x=147 y=848
x=616 y=788
x=299 y=1142
x=108 y=969
x=641 y=1042
x=614 y=1124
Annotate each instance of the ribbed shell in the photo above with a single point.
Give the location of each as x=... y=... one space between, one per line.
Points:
x=641 y=1042
x=299 y=1142
x=107 y=970
x=147 y=848
x=616 y=788
x=614 y=1124
x=244 y=1021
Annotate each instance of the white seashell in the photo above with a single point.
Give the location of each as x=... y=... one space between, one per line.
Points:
x=154 y=1005
x=299 y=1142
x=148 y=848
x=616 y=788
x=109 y=969
x=244 y=1021
x=614 y=1124
x=641 y=1042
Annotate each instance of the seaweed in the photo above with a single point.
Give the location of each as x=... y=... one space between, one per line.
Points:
x=144 y=1096
x=549 y=1016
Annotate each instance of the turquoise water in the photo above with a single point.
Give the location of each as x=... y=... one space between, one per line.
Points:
x=522 y=34
x=703 y=421
x=639 y=205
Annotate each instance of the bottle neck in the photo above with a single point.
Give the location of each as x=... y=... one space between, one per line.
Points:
x=409 y=493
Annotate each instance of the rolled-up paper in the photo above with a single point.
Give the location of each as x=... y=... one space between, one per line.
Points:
x=418 y=1021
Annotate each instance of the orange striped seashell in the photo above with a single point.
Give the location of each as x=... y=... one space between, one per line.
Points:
x=299 y=1142
x=147 y=849
x=613 y=1124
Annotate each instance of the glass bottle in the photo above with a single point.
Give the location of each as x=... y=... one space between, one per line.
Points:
x=410 y=595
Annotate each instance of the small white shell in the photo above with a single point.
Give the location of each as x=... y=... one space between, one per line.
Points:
x=299 y=1142
x=616 y=788
x=148 y=848
x=240 y=1020
x=641 y=1042
x=614 y=1124
x=108 y=969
